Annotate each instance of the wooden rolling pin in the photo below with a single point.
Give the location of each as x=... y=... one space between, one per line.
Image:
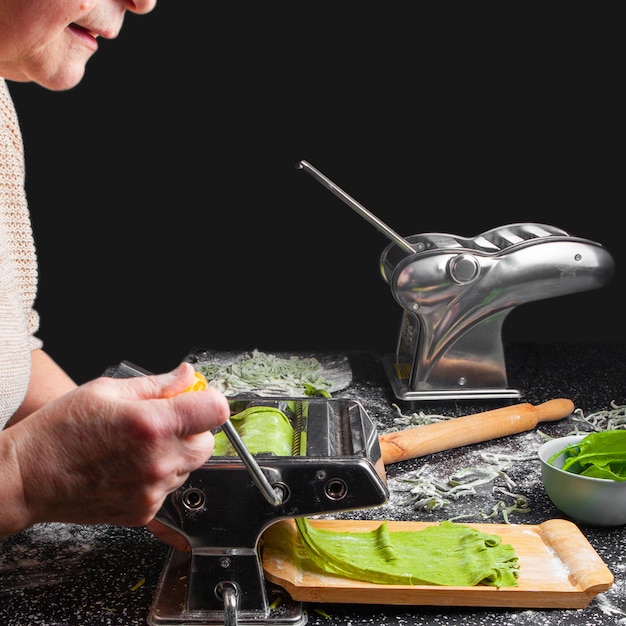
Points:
x=411 y=443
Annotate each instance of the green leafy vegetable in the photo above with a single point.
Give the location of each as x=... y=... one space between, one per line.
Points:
x=312 y=390
x=598 y=455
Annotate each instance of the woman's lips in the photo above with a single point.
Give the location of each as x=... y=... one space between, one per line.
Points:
x=85 y=36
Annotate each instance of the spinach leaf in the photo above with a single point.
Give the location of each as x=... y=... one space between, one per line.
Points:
x=598 y=455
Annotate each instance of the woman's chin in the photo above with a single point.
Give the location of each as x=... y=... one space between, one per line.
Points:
x=62 y=78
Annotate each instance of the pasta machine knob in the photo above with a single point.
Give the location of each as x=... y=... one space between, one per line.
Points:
x=463 y=268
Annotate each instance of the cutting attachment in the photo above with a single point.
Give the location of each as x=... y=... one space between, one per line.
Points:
x=457 y=292
x=224 y=507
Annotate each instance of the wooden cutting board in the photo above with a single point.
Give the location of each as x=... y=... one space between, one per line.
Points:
x=558 y=569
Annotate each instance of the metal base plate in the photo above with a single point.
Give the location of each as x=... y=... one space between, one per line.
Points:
x=402 y=392
x=170 y=600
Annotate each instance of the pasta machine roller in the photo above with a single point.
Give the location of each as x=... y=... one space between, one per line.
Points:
x=457 y=292
x=336 y=465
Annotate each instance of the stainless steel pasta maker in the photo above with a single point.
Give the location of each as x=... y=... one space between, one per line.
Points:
x=456 y=293
x=224 y=507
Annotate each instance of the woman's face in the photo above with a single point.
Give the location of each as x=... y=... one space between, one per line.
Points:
x=50 y=41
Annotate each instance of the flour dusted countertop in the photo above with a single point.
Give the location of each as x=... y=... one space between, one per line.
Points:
x=66 y=575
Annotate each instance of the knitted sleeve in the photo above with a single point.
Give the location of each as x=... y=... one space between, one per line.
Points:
x=19 y=321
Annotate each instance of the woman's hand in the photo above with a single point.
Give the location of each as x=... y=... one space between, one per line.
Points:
x=109 y=451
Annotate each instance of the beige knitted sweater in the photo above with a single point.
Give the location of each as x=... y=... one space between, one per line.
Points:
x=18 y=266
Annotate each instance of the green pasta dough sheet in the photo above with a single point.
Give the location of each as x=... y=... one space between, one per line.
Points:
x=446 y=554
x=263 y=429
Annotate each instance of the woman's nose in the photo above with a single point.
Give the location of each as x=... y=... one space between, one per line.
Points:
x=141 y=6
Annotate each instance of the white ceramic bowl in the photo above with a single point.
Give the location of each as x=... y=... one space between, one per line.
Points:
x=593 y=501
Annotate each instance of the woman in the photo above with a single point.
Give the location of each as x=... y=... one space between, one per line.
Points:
x=111 y=450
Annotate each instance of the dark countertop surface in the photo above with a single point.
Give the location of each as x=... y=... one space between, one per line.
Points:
x=66 y=575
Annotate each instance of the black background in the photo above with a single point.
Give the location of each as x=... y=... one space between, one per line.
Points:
x=168 y=213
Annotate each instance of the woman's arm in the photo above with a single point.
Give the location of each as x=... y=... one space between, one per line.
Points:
x=47 y=382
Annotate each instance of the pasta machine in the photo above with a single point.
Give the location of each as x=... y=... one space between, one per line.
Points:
x=456 y=293
x=224 y=507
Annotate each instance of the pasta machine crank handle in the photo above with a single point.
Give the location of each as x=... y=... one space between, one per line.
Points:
x=359 y=208
x=273 y=496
